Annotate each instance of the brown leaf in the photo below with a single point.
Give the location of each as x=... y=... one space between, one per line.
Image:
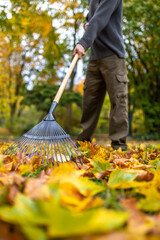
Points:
x=137 y=220
x=18 y=179
x=88 y=174
x=36 y=161
x=83 y=166
x=9 y=232
x=142 y=174
x=7 y=159
x=12 y=190
x=129 y=154
x=121 y=162
x=141 y=166
x=21 y=157
x=153 y=155
x=86 y=160
x=37 y=188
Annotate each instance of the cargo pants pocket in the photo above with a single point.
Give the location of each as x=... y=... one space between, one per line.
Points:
x=122 y=85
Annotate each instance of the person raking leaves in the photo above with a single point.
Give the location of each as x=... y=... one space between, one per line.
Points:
x=106 y=71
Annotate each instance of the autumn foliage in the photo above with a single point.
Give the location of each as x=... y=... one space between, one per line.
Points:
x=114 y=195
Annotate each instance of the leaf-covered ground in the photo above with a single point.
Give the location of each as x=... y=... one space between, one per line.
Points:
x=114 y=195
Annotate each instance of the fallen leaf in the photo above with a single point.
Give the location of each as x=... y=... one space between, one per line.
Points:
x=137 y=220
x=73 y=199
x=121 y=178
x=12 y=192
x=37 y=188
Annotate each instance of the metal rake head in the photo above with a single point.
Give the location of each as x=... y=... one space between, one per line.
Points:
x=49 y=140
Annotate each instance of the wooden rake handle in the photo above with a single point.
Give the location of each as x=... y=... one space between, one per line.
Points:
x=65 y=80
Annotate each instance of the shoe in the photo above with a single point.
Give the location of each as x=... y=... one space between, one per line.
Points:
x=116 y=145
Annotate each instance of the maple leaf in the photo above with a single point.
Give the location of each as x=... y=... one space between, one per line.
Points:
x=121 y=178
x=72 y=198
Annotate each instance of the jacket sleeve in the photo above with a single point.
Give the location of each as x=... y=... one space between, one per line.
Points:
x=98 y=22
x=86 y=21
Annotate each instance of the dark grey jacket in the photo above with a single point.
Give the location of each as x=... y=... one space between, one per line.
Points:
x=104 y=32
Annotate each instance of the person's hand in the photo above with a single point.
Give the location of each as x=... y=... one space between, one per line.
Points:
x=80 y=50
x=85 y=26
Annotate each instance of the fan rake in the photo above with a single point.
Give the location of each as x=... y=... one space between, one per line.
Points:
x=48 y=138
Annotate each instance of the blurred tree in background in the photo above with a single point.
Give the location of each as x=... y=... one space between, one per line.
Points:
x=142 y=41
x=37 y=38
x=30 y=50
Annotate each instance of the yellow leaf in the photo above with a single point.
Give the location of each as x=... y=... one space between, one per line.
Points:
x=22 y=169
x=73 y=199
x=65 y=172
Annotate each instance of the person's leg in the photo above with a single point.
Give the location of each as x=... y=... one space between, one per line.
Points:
x=115 y=74
x=93 y=97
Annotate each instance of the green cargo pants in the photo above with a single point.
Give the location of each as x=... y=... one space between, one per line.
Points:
x=107 y=74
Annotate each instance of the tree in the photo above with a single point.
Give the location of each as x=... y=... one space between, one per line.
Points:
x=142 y=41
x=32 y=51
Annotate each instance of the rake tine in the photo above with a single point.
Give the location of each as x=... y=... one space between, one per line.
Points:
x=63 y=151
x=55 y=153
x=44 y=152
x=41 y=147
x=66 y=149
x=37 y=149
x=13 y=152
x=52 y=153
x=70 y=150
x=77 y=149
x=48 y=152
x=27 y=145
x=18 y=147
x=8 y=150
x=34 y=146
x=23 y=144
x=59 y=152
x=72 y=145
x=11 y=149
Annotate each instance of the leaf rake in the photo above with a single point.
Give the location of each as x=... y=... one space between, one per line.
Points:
x=48 y=138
